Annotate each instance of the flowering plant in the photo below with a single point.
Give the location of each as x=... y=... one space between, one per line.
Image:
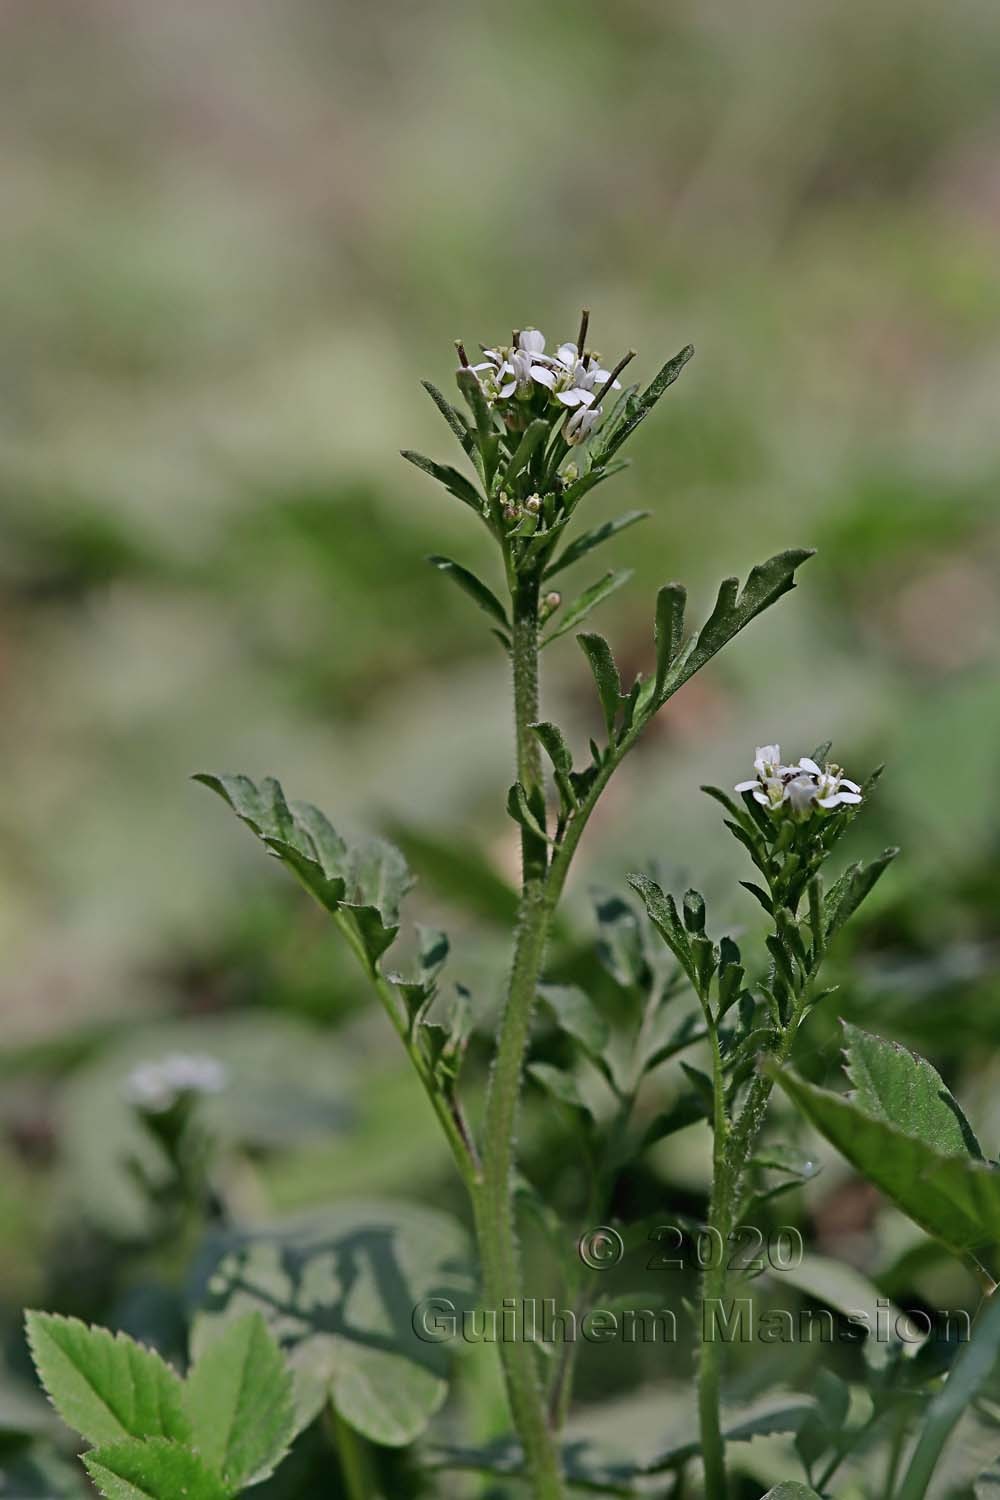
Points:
x=282 y=1338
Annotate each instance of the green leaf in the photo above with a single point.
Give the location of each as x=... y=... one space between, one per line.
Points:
x=474 y=587
x=576 y=1014
x=456 y=421
x=838 y=1285
x=238 y=1397
x=581 y=607
x=300 y=836
x=734 y=610
x=662 y=912
x=763 y=1419
x=847 y=894
x=367 y=883
x=639 y=407
x=103 y=1385
x=593 y=538
x=530 y=439
x=685 y=1111
x=468 y=384
x=152 y=1470
x=894 y=1084
x=338 y=1290
x=551 y=739
x=561 y=1085
x=954 y=1198
x=790 y=1489
x=521 y=810
x=619 y=945
x=970 y=1372
x=455 y=483
x=668 y=629
x=609 y=687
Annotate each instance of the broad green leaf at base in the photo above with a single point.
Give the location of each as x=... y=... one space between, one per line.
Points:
x=239 y=1400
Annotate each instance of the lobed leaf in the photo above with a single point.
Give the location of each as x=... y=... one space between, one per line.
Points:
x=662 y=912
x=104 y=1385
x=846 y=894
x=238 y=1397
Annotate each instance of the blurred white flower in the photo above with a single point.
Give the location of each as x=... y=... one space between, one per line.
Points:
x=801 y=788
x=581 y=423
x=155 y=1087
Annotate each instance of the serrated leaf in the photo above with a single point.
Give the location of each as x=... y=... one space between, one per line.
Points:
x=593 y=538
x=152 y=1470
x=576 y=1014
x=104 y=1385
x=891 y=1083
x=602 y=663
x=338 y=1290
x=955 y=1199
x=238 y=1397
x=580 y=607
x=455 y=483
x=474 y=587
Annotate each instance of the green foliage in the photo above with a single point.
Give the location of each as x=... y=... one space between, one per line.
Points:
x=338 y=1290
x=105 y=1386
x=152 y=1435
x=579 y=608
x=891 y=1083
x=238 y=1397
x=363 y=885
x=153 y=1470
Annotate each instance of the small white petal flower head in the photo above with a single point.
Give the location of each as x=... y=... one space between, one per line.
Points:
x=801 y=788
x=155 y=1087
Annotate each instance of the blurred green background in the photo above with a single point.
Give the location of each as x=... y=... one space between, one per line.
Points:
x=235 y=237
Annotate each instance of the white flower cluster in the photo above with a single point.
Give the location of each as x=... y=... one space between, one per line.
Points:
x=800 y=788
x=572 y=377
x=155 y=1087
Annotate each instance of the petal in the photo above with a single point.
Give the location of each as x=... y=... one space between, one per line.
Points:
x=852 y=786
x=508 y=388
x=761 y=797
x=806 y=764
x=531 y=341
x=543 y=376
x=747 y=786
x=571 y=398
x=566 y=354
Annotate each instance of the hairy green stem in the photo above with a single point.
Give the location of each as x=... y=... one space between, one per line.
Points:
x=495 y=1210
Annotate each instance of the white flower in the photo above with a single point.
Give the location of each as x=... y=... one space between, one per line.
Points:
x=576 y=380
x=581 y=423
x=155 y=1087
x=801 y=788
x=516 y=368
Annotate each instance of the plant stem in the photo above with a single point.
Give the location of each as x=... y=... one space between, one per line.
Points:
x=713 y=1288
x=355 y=1466
x=495 y=1212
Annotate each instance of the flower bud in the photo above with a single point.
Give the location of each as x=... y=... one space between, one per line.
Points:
x=550 y=603
x=533 y=505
